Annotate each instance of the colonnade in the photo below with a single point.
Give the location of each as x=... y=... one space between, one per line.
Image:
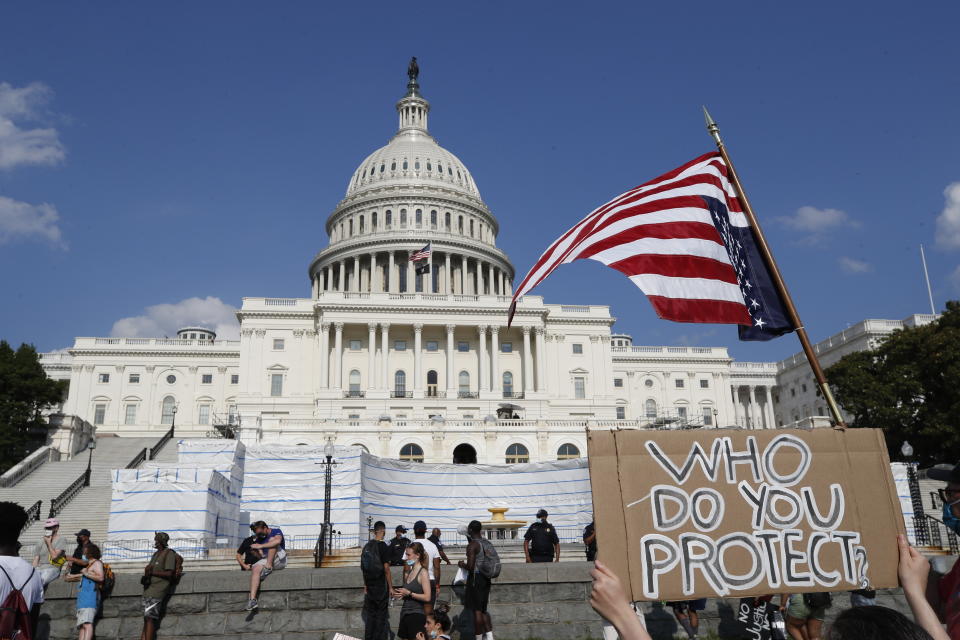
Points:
x=753 y=406
x=393 y=272
x=487 y=364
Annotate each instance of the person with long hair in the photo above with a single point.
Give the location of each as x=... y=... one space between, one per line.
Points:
x=415 y=592
x=88 y=595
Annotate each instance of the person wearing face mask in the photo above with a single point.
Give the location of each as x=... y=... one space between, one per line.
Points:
x=946 y=598
x=51 y=552
x=540 y=542
x=438 y=626
x=77 y=561
x=415 y=592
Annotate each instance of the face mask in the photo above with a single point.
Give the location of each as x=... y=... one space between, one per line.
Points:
x=79 y=540
x=542 y=520
x=951 y=521
x=433 y=634
x=47 y=533
x=410 y=563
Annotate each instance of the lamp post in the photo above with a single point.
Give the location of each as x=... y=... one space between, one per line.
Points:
x=91 y=445
x=919 y=521
x=716 y=421
x=327 y=482
x=173 y=420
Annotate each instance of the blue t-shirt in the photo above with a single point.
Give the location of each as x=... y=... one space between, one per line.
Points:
x=87 y=594
x=274 y=533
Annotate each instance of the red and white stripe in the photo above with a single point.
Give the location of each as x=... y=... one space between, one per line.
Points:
x=422 y=254
x=662 y=237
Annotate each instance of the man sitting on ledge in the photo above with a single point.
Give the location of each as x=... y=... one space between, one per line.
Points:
x=270 y=543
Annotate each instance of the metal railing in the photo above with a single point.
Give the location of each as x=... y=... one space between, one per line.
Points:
x=401 y=394
x=354 y=394
x=137 y=459
x=164 y=439
x=58 y=503
x=517 y=395
x=468 y=394
x=33 y=514
x=320 y=549
x=931 y=531
x=434 y=393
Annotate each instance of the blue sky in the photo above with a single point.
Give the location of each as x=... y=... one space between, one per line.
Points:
x=151 y=156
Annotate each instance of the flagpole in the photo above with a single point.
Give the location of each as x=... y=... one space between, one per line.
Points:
x=778 y=281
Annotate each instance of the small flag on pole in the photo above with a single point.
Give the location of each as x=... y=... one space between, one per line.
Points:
x=684 y=240
x=422 y=254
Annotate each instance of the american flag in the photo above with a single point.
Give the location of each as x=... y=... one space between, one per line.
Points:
x=422 y=254
x=684 y=240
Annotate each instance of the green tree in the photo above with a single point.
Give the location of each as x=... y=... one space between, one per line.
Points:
x=25 y=390
x=909 y=386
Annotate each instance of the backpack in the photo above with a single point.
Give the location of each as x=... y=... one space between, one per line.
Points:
x=177 y=569
x=820 y=600
x=370 y=562
x=489 y=563
x=14 y=614
x=109 y=580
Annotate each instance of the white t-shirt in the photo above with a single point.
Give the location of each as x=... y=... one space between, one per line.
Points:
x=432 y=552
x=19 y=571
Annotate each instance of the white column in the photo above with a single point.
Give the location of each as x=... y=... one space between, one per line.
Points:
x=447 y=277
x=541 y=368
x=463 y=275
x=771 y=420
x=490 y=277
x=451 y=386
x=495 y=378
x=417 y=360
x=411 y=276
x=482 y=356
x=527 y=362
x=338 y=356
x=356 y=273
x=390 y=286
x=752 y=408
x=371 y=354
x=324 y=355
x=385 y=350
x=343 y=275
x=372 y=283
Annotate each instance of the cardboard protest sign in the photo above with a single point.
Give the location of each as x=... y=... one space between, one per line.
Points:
x=730 y=513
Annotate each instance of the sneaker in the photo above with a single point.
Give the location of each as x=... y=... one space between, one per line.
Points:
x=251 y=605
x=265 y=572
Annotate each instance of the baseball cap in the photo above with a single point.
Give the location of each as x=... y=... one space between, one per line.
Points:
x=162 y=536
x=542 y=513
x=419 y=525
x=51 y=523
x=83 y=532
x=945 y=473
x=401 y=529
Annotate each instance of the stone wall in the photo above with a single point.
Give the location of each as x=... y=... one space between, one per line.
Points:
x=546 y=601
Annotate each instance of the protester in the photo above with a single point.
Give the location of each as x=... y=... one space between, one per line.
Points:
x=686 y=614
x=438 y=625
x=435 y=539
x=16 y=574
x=88 y=594
x=590 y=541
x=433 y=561
x=51 y=552
x=377 y=585
x=157 y=579
x=398 y=544
x=540 y=542
x=946 y=598
x=609 y=600
x=477 y=590
x=247 y=556
x=805 y=614
x=914 y=571
x=876 y=623
x=272 y=547
x=415 y=593
x=77 y=562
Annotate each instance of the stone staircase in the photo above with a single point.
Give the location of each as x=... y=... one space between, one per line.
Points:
x=90 y=508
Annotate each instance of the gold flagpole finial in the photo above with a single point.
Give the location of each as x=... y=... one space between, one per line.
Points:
x=712 y=127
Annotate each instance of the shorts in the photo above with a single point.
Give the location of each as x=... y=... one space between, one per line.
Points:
x=797 y=608
x=49 y=574
x=86 y=615
x=151 y=607
x=279 y=562
x=410 y=625
x=477 y=593
x=683 y=606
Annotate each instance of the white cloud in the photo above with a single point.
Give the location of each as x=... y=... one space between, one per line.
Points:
x=21 y=219
x=852 y=265
x=164 y=319
x=814 y=223
x=25 y=146
x=948 y=222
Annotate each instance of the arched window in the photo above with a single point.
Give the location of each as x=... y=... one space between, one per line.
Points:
x=388 y=218
x=354 y=381
x=460 y=224
x=351 y=226
x=361 y=224
x=431 y=384
x=169 y=407
x=373 y=221
x=403 y=218
x=507 y=384
x=411 y=453
x=382 y=167
x=446 y=220
x=433 y=219
x=429 y=166
x=393 y=166
x=416 y=165
x=517 y=453
x=439 y=167
x=650 y=408
x=400 y=384
x=419 y=217
x=471 y=228
x=404 y=164
x=567 y=451
x=464 y=382
x=361 y=446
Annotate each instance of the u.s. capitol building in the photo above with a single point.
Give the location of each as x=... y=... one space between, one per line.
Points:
x=406 y=362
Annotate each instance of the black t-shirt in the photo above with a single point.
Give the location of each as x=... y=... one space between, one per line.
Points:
x=542 y=537
x=250 y=556
x=436 y=541
x=77 y=553
x=397 y=546
x=591 y=547
x=383 y=553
